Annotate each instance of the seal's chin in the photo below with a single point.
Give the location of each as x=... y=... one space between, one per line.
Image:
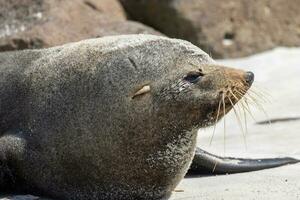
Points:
x=215 y=116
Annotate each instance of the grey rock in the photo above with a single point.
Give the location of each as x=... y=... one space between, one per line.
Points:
x=126 y=27
x=223 y=28
x=36 y=23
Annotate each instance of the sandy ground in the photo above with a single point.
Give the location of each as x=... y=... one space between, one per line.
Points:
x=278 y=73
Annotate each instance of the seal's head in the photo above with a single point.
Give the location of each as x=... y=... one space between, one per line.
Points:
x=197 y=95
x=206 y=93
x=175 y=89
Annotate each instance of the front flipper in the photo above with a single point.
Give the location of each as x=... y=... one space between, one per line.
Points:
x=207 y=163
x=11 y=143
x=5 y=173
x=5 y=177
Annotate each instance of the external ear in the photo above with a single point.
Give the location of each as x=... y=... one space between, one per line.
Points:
x=145 y=89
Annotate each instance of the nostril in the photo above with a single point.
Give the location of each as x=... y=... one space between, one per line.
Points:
x=249 y=77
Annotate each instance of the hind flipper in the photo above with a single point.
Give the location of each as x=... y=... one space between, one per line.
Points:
x=207 y=163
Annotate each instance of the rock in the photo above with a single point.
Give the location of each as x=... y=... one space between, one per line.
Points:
x=223 y=28
x=38 y=23
x=127 y=27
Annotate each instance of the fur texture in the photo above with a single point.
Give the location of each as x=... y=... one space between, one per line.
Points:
x=70 y=128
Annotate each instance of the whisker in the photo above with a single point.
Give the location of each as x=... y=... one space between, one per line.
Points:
x=216 y=163
x=241 y=104
x=262 y=90
x=260 y=107
x=239 y=121
x=253 y=101
x=261 y=96
x=254 y=98
x=218 y=112
x=245 y=120
x=244 y=102
x=224 y=120
x=265 y=93
x=238 y=102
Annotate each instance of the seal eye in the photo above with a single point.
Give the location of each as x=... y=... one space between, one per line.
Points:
x=193 y=77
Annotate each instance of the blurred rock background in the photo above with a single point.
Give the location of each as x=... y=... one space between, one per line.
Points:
x=224 y=29
x=227 y=28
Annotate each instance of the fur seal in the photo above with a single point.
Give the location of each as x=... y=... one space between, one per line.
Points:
x=110 y=118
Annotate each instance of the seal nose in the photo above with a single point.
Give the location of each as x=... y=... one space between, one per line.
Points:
x=249 y=77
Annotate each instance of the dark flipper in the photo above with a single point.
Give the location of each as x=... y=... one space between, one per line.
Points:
x=207 y=163
x=8 y=141
x=5 y=176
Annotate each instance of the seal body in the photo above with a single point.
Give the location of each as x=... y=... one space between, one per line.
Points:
x=71 y=126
